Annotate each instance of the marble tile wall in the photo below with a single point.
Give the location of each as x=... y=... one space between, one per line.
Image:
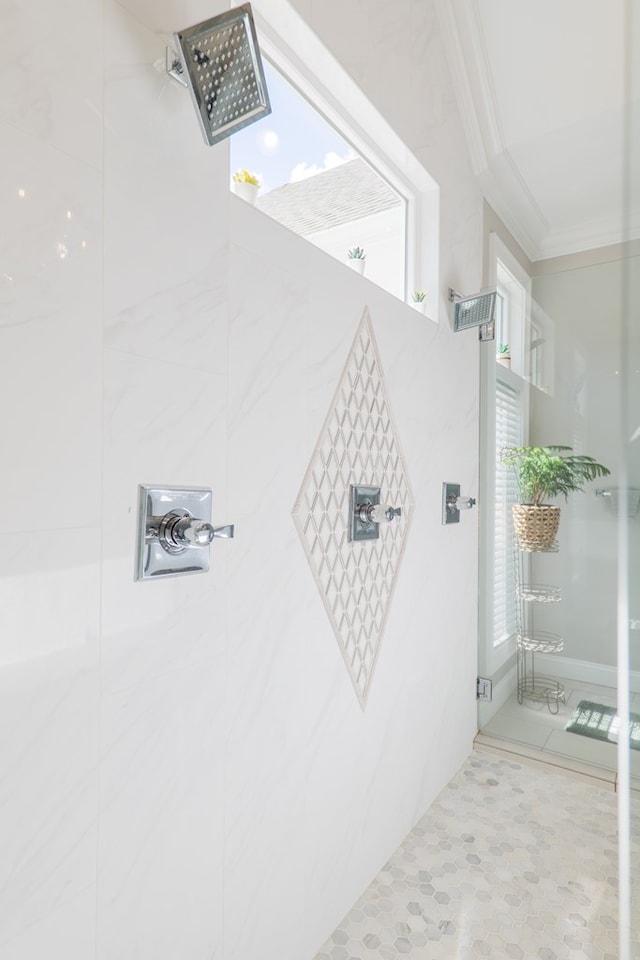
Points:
x=161 y=800
x=302 y=686
x=183 y=765
x=50 y=481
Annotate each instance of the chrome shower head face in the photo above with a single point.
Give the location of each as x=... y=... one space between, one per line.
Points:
x=473 y=311
x=222 y=67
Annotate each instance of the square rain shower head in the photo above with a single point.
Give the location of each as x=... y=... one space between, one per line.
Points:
x=221 y=64
x=477 y=310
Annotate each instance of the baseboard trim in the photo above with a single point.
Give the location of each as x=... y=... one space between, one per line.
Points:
x=584 y=670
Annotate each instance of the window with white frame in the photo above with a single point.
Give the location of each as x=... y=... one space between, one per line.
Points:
x=511 y=315
x=509 y=406
x=406 y=198
x=312 y=181
x=508 y=433
x=504 y=417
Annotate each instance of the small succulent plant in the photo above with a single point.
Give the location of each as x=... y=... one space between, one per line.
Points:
x=503 y=350
x=357 y=253
x=419 y=296
x=243 y=176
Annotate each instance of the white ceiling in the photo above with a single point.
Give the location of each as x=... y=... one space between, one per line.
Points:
x=549 y=91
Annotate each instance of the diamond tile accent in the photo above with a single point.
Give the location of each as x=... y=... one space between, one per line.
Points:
x=357 y=445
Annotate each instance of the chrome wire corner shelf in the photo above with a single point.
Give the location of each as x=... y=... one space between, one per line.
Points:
x=541 y=642
x=529 y=641
x=539 y=593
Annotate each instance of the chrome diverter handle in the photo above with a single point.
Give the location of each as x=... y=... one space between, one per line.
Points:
x=178 y=531
x=377 y=512
x=175 y=531
x=366 y=513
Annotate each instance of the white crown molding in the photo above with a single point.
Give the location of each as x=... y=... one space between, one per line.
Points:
x=461 y=85
x=463 y=36
x=591 y=235
x=498 y=174
x=480 y=77
x=508 y=194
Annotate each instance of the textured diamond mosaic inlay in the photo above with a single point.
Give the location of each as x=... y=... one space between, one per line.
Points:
x=357 y=445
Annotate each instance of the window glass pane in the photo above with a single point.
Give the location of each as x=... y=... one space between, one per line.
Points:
x=315 y=184
x=508 y=434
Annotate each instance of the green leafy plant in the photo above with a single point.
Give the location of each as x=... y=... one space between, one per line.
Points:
x=243 y=176
x=503 y=350
x=418 y=296
x=356 y=253
x=544 y=472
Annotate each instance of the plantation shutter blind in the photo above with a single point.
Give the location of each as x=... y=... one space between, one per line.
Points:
x=508 y=434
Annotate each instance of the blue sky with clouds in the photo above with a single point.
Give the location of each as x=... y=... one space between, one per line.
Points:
x=292 y=142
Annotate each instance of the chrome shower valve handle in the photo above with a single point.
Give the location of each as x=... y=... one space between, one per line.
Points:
x=174 y=532
x=462 y=503
x=178 y=531
x=378 y=512
x=366 y=513
x=453 y=503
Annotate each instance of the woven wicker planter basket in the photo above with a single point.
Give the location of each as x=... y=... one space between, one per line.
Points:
x=536 y=527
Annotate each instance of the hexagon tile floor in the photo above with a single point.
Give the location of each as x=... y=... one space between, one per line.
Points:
x=511 y=861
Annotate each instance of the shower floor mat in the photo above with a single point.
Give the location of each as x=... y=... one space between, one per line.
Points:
x=598 y=722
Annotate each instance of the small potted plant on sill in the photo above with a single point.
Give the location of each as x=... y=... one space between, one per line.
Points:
x=419 y=300
x=543 y=473
x=246 y=185
x=357 y=258
x=503 y=355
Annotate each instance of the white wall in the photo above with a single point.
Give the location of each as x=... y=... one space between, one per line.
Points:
x=382 y=237
x=582 y=304
x=185 y=768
